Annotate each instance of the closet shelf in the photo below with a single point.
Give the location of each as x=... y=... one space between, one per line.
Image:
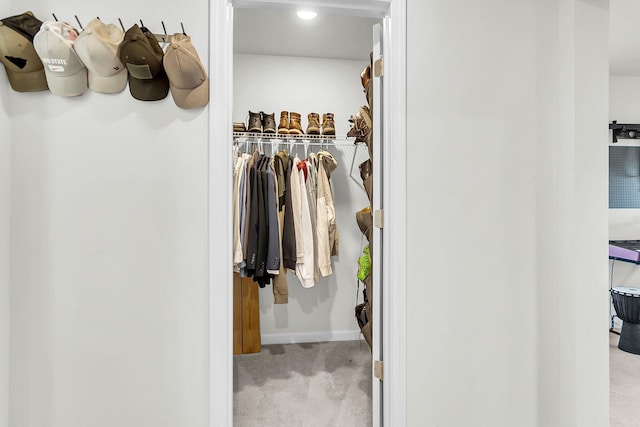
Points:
x=296 y=139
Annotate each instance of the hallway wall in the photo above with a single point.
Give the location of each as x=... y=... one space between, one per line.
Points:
x=109 y=283
x=5 y=186
x=507 y=103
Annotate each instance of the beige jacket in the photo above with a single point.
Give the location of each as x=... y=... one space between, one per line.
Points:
x=326 y=228
x=238 y=254
x=305 y=266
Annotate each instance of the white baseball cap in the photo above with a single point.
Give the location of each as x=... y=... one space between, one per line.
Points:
x=65 y=72
x=97 y=47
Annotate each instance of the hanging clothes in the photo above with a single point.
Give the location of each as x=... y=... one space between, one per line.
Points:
x=283 y=218
x=327 y=230
x=239 y=210
x=281 y=164
x=305 y=266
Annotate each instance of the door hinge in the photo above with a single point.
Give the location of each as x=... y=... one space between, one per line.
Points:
x=378 y=370
x=378 y=67
x=378 y=218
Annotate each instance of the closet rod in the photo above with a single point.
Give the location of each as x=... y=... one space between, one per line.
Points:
x=326 y=143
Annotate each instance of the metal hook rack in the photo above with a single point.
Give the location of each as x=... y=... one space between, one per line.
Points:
x=78 y=21
x=164 y=38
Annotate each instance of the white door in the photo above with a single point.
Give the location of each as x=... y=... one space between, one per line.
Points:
x=378 y=171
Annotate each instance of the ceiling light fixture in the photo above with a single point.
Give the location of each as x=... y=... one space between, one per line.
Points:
x=306 y=14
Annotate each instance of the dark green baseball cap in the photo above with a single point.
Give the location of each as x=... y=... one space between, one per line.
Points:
x=141 y=53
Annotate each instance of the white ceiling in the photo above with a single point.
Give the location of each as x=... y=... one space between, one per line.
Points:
x=272 y=31
x=280 y=32
x=624 y=37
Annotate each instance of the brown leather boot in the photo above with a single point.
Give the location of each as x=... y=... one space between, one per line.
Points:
x=255 y=122
x=314 y=124
x=295 y=127
x=328 y=125
x=239 y=127
x=269 y=122
x=283 y=127
x=361 y=129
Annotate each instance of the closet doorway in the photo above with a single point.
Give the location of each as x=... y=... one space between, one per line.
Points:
x=389 y=395
x=314 y=367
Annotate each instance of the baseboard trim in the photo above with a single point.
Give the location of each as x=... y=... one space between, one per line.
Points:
x=308 y=337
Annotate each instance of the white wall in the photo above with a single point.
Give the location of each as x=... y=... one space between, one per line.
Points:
x=4 y=243
x=506 y=326
x=109 y=230
x=277 y=83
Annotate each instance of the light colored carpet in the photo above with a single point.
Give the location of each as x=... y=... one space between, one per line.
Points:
x=329 y=384
x=624 y=386
x=304 y=385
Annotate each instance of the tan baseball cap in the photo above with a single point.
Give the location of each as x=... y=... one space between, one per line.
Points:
x=66 y=74
x=17 y=54
x=187 y=75
x=97 y=47
x=142 y=55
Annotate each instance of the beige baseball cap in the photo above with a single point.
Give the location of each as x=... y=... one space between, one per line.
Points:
x=97 y=47
x=188 y=78
x=20 y=60
x=65 y=72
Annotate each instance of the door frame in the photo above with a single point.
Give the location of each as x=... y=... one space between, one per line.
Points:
x=220 y=202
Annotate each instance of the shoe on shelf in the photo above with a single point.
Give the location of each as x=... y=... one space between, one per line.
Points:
x=328 y=124
x=361 y=130
x=295 y=127
x=283 y=127
x=255 y=122
x=314 y=124
x=239 y=127
x=269 y=122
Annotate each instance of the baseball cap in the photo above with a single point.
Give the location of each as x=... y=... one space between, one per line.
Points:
x=187 y=75
x=142 y=55
x=97 y=48
x=66 y=74
x=21 y=62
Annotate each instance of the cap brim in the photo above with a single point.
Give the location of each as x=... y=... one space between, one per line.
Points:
x=191 y=98
x=149 y=89
x=73 y=85
x=34 y=81
x=108 y=84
